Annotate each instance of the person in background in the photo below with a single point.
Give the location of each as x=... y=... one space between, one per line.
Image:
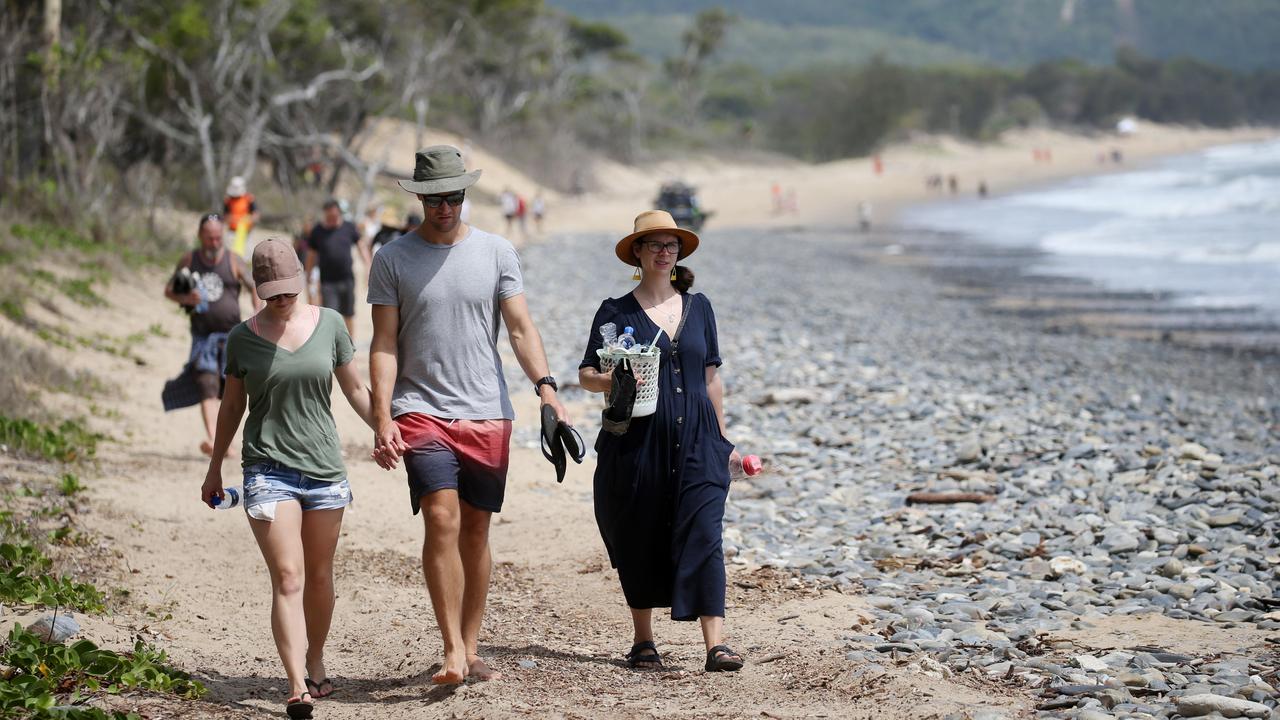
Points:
x=240 y=209
x=539 y=211
x=661 y=485
x=370 y=225
x=206 y=282
x=280 y=366
x=330 y=244
x=509 y=205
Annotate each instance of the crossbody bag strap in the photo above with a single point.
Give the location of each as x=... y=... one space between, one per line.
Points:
x=684 y=315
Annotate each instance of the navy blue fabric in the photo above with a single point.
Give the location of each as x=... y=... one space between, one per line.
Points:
x=208 y=355
x=660 y=489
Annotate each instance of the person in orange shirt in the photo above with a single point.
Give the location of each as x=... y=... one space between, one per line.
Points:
x=240 y=209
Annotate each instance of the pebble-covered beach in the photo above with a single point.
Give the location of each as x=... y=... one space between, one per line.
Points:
x=1113 y=478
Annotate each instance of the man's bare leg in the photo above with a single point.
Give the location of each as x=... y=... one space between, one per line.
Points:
x=442 y=566
x=477 y=564
x=208 y=411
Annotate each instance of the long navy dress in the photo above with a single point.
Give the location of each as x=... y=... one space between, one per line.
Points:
x=660 y=489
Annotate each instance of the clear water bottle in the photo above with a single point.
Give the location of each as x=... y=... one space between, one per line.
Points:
x=609 y=334
x=627 y=339
x=746 y=466
x=231 y=498
x=203 y=305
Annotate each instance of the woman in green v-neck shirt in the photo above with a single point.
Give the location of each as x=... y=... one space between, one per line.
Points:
x=280 y=366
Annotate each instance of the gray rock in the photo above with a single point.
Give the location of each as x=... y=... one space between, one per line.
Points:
x=1192 y=451
x=1207 y=703
x=1119 y=541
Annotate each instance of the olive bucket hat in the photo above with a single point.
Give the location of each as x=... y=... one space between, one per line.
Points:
x=439 y=169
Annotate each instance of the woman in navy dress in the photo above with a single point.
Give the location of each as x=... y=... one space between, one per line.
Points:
x=660 y=487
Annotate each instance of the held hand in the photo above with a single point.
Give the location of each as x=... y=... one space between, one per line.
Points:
x=549 y=398
x=191 y=299
x=388 y=445
x=735 y=461
x=212 y=488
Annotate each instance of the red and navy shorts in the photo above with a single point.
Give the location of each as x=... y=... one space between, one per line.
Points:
x=470 y=456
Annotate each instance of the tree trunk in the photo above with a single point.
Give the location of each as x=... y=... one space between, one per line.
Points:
x=51 y=35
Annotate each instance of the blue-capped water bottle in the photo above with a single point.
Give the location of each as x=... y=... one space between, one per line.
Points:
x=231 y=498
x=627 y=339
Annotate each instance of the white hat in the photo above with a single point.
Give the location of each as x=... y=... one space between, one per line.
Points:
x=236 y=187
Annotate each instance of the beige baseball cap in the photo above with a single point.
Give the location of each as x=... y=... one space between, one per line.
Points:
x=276 y=270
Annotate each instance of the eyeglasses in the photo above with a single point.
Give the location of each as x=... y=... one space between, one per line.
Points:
x=282 y=296
x=454 y=199
x=656 y=247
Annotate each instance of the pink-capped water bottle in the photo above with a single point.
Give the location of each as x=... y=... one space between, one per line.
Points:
x=747 y=466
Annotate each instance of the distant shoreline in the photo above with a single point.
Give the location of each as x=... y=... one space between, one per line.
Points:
x=827 y=194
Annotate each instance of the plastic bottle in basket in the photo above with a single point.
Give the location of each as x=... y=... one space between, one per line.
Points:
x=747 y=466
x=609 y=334
x=627 y=340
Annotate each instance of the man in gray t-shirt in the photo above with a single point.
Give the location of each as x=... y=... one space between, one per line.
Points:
x=439 y=294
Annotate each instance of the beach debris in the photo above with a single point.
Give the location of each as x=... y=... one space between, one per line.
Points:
x=946 y=498
x=1063 y=565
x=55 y=628
x=789 y=396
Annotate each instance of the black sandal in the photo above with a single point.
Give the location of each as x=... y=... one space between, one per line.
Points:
x=571 y=440
x=317 y=687
x=560 y=442
x=552 y=448
x=722 y=658
x=637 y=659
x=301 y=707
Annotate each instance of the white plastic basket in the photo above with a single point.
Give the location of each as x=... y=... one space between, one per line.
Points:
x=645 y=367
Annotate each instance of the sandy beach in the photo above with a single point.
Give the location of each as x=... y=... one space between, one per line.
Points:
x=860 y=379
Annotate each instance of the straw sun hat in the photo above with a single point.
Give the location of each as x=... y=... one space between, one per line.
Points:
x=655 y=221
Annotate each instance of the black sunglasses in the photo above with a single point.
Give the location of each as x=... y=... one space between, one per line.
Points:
x=454 y=199
x=206 y=218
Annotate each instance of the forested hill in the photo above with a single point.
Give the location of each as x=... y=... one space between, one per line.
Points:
x=1239 y=34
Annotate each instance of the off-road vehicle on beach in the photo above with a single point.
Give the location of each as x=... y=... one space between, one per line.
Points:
x=681 y=201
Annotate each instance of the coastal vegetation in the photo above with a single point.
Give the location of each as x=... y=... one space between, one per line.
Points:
x=120 y=104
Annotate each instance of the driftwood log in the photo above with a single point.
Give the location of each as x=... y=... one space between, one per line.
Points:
x=943 y=498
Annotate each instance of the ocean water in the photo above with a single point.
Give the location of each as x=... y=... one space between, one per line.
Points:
x=1204 y=226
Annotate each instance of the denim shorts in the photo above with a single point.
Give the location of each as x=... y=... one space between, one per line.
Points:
x=266 y=484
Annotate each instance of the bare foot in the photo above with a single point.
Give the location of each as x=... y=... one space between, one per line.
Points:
x=476 y=668
x=206 y=447
x=453 y=671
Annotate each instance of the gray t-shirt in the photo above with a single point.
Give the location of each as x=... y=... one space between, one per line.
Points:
x=448 y=297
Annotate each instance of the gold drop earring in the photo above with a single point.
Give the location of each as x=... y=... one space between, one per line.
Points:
x=673 y=274
x=636 y=275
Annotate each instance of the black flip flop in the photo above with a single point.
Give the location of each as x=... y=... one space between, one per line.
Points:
x=300 y=708
x=638 y=661
x=721 y=658
x=314 y=688
x=571 y=440
x=552 y=447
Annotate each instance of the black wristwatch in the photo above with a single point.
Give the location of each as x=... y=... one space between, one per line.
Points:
x=548 y=380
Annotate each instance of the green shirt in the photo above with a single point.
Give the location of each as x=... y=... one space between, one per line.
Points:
x=290 y=422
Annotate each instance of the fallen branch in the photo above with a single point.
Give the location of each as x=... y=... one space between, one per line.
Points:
x=944 y=498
